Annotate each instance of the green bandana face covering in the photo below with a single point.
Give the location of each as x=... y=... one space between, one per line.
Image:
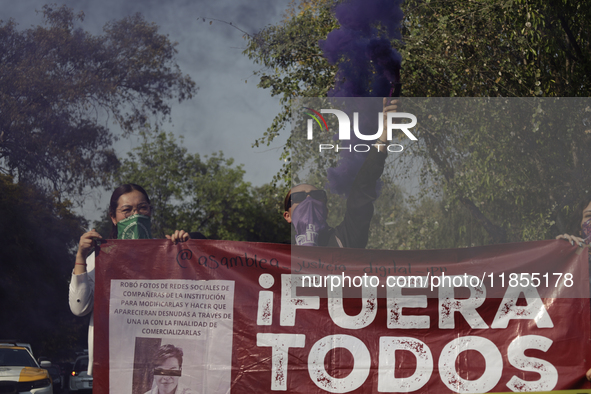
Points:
x=134 y=227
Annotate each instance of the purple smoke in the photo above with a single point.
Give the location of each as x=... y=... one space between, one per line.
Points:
x=368 y=66
x=361 y=47
x=340 y=178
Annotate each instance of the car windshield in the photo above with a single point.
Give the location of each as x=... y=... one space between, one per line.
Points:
x=10 y=357
x=81 y=364
x=53 y=371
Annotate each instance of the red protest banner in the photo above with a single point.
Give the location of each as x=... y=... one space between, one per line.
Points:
x=265 y=317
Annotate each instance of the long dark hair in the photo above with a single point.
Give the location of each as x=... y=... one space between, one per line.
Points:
x=114 y=203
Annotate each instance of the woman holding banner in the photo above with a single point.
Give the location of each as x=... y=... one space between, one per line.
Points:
x=585 y=225
x=130 y=212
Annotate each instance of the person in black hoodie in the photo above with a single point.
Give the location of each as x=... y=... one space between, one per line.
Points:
x=306 y=210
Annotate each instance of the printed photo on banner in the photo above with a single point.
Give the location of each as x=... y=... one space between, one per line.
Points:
x=168 y=335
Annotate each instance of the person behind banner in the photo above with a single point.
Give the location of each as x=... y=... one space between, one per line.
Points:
x=584 y=226
x=130 y=213
x=306 y=210
x=584 y=239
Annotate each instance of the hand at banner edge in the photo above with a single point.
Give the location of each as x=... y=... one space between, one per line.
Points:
x=178 y=236
x=572 y=239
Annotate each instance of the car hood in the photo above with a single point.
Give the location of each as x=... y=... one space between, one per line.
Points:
x=22 y=374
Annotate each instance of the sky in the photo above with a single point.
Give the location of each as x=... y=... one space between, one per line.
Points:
x=229 y=112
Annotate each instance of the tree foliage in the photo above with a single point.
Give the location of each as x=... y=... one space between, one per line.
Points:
x=518 y=181
x=37 y=236
x=207 y=195
x=450 y=48
x=61 y=86
x=496 y=48
x=518 y=166
x=292 y=64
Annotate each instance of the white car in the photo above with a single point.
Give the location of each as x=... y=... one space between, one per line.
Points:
x=20 y=373
x=79 y=379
